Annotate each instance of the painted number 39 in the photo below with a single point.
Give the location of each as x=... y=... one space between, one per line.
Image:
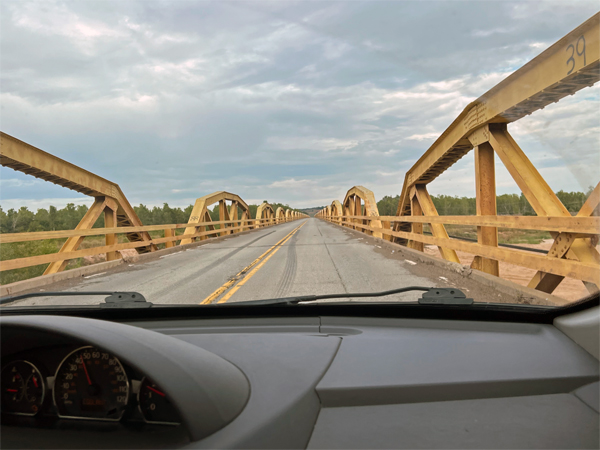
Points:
x=578 y=48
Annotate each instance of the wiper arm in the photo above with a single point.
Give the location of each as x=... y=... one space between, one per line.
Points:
x=432 y=296
x=114 y=299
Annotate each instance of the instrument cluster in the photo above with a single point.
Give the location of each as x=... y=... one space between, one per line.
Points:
x=80 y=383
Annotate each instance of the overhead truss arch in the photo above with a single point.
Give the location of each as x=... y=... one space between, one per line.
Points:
x=280 y=215
x=201 y=214
x=336 y=210
x=355 y=199
x=264 y=215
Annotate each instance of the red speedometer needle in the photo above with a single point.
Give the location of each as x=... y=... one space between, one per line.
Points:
x=87 y=375
x=35 y=381
x=11 y=390
x=162 y=394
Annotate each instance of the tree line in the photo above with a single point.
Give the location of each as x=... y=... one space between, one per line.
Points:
x=23 y=220
x=506 y=204
x=67 y=218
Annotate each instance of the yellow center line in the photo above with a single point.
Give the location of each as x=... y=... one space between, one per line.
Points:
x=231 y=282
x=256 y=269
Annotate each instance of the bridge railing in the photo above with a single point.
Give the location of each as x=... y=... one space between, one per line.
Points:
x=169 y=238
x=570 y=227
x=567 y=66
x=119 y=217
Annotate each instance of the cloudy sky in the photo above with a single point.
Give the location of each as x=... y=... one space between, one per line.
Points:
x=293 y=102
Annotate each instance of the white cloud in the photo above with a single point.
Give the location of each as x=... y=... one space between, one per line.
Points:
x=57 y=19
x=33 y=204
x=538 y=45
x=315 y=143
x=292 y=183
x=17 y=182
x=424 y=137
x=490 y=32
x=291 y=102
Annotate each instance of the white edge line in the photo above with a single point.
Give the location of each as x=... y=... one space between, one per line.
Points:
x=95 y=275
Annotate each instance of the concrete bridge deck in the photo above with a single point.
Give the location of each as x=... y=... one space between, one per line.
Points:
x=319 y=258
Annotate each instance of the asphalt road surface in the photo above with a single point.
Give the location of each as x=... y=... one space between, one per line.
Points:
x=303 y=257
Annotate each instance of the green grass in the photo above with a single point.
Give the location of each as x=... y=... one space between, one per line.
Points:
x=505 y=235
x=22 y=250
x=511 y=236
x=34 y=248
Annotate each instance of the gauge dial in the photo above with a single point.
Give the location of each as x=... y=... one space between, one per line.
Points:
x=155 y=405
x=91 y=384
x=23 y=388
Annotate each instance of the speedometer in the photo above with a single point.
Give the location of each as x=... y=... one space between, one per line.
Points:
x=91 y=384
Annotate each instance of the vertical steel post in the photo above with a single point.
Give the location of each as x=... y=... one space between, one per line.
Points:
x=110 y=221
x=233 y=215
x=169 y=233
x=485 y=189
x=416 y=210
x=358 y=212
x=222 y=216
x=349 y=211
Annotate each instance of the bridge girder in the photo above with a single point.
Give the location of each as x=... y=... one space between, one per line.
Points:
x=564 y=68
x=544 y=80
x=200 y=213
x=109 y=199
x=336 y=210
x=264 y=211
x=280 y=214
x=483 y=126
x=352 y=206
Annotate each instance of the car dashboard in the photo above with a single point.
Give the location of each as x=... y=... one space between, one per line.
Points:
x=66 y=380
x=306 y=381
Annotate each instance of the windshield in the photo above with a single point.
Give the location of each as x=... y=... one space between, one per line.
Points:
x=209 y=153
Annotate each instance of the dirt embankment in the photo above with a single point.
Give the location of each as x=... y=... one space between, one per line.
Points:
x=569 y=289
x=129 y=255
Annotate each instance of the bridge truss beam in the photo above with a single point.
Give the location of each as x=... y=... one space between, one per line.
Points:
x=569 y=65
x=109 y=199
x=200 y=213
x=119 y=216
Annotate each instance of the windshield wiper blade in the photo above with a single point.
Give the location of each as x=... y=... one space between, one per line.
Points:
x=114 y=300
x=431 y=296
